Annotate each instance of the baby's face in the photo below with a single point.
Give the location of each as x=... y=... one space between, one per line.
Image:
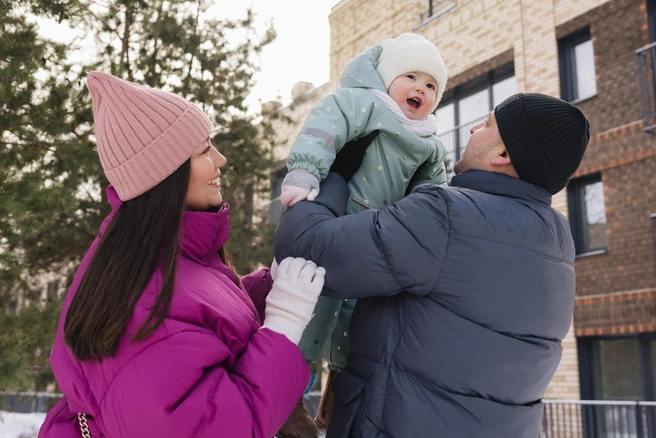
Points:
x=415 y=92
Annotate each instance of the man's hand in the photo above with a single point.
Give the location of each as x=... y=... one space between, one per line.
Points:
x=349 y=158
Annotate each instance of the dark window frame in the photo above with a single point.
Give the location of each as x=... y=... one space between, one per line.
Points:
x=276 y=181
x=576 y=210
x=567 y=64
x=652 y=218
x=589 y=366
x=275 y=207
x=455 y=94
x=651 y=19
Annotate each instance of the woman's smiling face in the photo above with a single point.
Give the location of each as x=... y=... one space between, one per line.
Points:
x=204 y=191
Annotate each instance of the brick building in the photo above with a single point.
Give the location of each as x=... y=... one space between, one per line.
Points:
x=583 y=51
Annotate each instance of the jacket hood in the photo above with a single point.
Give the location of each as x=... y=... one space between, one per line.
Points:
x=361 y=71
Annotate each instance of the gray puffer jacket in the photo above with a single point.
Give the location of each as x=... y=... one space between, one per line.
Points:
x=464 y=295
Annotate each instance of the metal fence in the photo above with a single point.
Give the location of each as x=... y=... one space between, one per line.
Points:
x=598 y=419
x=646 y=61
x=455 y=142
x=562 y=418
x=27 y=402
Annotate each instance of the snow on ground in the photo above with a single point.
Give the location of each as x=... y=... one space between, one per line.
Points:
x=15 y=425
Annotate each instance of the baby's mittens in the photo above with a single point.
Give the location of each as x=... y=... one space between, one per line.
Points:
x=299 y=184
x=290 y=195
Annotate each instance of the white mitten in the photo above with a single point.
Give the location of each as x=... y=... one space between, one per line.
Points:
x=289 y=305
x=274 y=268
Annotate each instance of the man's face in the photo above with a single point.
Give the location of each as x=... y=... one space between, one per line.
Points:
x=479 y=151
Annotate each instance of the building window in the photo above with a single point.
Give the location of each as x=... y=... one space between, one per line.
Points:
x=651 y=17
x=577 y=68
x=468 y=104
x=652 y=216
x=616 y=368
x=275 y=206
x=587 y=214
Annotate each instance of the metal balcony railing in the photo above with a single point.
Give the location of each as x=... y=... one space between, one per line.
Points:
x=598 y=419
x=646 y=61
x=455 y=142
x=436 y=8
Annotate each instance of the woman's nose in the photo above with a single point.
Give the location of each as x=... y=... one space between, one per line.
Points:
x=222 y=160
x=219 y=159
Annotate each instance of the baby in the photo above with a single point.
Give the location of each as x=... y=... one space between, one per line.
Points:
x=392 y=88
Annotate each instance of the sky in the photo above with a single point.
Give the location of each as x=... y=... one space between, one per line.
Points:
x=299 y=53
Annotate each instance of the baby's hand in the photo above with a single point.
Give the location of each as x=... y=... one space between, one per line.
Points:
x=291 y=195
x=299 y=184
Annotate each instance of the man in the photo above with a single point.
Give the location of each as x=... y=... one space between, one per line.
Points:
x=465 y=292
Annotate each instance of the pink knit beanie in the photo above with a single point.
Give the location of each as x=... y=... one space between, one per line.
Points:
x=143 y=134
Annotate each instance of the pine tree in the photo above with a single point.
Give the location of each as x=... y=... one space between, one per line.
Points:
x=45 y=151
x=169 y=44
x=50 y=176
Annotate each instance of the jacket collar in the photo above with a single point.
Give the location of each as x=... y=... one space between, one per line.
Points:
x=500 y=184
x=202 y=233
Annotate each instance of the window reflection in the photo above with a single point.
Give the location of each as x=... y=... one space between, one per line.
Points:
x=586 y=82
x=464 y=109
x=595 y=215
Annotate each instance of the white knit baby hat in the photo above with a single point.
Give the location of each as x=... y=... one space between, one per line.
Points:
x=411 y=52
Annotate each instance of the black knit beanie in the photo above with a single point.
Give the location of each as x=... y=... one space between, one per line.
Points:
x=545 y=138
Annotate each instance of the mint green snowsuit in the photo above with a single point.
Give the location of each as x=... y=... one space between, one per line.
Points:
x=394 y=158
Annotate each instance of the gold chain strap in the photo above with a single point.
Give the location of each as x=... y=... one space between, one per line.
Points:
x=84 y=427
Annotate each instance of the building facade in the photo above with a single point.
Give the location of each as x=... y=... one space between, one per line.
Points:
x=584 y=51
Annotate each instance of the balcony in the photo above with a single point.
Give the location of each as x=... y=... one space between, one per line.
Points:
x=455 y=142
x=436 y=8
x=598 y=418
x=646 y=61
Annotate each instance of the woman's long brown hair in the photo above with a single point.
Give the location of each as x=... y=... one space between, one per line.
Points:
x=143 y=234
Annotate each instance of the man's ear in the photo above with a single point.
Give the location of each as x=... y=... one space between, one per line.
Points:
x=501 y=158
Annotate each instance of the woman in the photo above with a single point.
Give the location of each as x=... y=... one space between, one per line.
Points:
x=158 y=336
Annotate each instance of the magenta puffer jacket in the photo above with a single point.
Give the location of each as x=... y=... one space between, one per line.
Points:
x=209 y=370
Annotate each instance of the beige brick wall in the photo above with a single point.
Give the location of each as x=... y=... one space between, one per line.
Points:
x=471 y=33
x=565 y=384
x=357 y=24
x=566 y=10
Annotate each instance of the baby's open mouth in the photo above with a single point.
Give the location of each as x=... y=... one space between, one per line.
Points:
x=414 y=102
